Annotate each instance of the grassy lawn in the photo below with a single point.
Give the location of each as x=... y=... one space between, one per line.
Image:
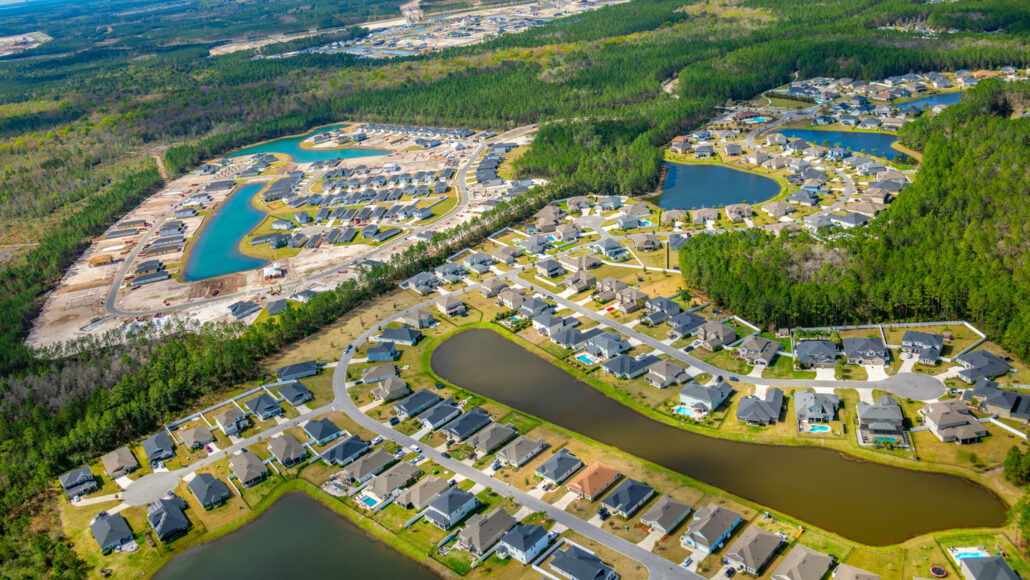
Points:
x=723 y=359
x=851 y=373
x=783 y=368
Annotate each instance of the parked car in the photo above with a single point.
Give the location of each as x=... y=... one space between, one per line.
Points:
x=730 y=572
x=687 y=561
x=446 y=455
x=377 y=440
x=416 y=449
x=734 y=379
x=394 y=420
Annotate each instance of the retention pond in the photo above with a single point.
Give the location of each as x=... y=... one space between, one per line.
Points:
x=868 y=502
x=697 y=186
x=296 y=537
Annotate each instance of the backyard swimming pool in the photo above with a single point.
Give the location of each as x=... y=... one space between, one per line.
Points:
x=368 y=501
x=963 y=555
x=586 y=358
x=684 y=410
x=818 y=428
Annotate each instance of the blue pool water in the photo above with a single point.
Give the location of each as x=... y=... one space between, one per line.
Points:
x=696 y=186
x=645 y=223
x=878 y=144
x=962 y=555
x=291 y=146
x=584 y=359
x=216 y=251
x=513 y=319
x=756 y=120
x=934 y=100
x=368 y=501
x=818 y=428
x=683 y=410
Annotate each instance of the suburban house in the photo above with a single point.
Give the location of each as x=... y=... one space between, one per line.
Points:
x=627 y=367
x=610 y=248
x=607 y=287
x=738 y=212
x=710 y=528
x=665 y=515
x=122 y=462
x=297 y=371
x=347 y=451
x=684 y=323
x=416 y=403
x=520 y=451
x=419 y=495
x=450 y=272
x=865 y=351
x=248 y=468
x=628 y=497
x=753 y=550
x=196 y=437
x=467 y=424
x=593 y=481
x=78 y=481
x=166 y=517
x=440 y=414
x=159 y=447
x=295 y=393
x=580 y=281
x=390 y=389
x=803 y=563
x=881 y=422
x=507 y=255
x=704 y=399
x=989 y=568
x=848 y=572
x=382 y=352
x=450 y=507
x=606 y=345
x=483 y=531
x=419 y=318
x=524 y=542
x=404 y=334
x=549 y=268
x=364 y=468
x=558 y=467
x=110 y=531
x=492 y=437
x=993 y=399
x=816 y=353
x=579 y=263
x=450 y=305
x=264 y=406
x=287 y=449
x=705 y=215
x=812 y=407
x=629 y=299
x=422 y=283
x=765 y=411
x=575 y=563
x=231 y=421
x=491 y=286
x=389 y=481
x=322 y=430
x=478 y=262
x=980 y=364
x=666 y=373
x=757 y=350
x=533 y=307
x=646 y=242
x=778 y=209
x=375 y=374
x=567 y=232
x=209 y=490
x=536 y=244
x=658 y=310
x=951 y=421
x=714 y=335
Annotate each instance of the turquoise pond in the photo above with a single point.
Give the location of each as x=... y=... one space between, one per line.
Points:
x=696 y=186
x=878 y=144
x=291 y=146
x=216 y=251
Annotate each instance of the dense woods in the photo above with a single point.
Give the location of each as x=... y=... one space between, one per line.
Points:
x=952 y=246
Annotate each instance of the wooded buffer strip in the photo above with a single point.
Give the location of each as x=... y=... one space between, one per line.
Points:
x=22 y=286
x=952 y=246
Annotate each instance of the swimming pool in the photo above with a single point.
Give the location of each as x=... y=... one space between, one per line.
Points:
x=513 y=319
x=585 y=359
x=756 y=120
x=645 y=223
x=368 y=501
x=683 y=410
x=963 y=555
x=818 y=428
